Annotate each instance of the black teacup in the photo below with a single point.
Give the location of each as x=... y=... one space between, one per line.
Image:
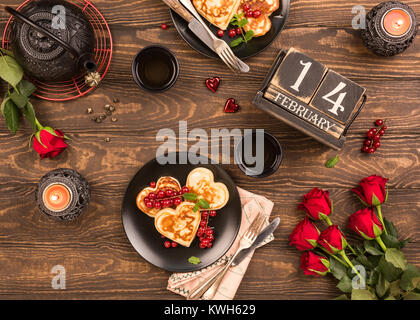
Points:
x=155 y=69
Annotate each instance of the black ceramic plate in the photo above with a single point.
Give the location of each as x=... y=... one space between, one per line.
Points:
x=142 y=234
x=243 y=51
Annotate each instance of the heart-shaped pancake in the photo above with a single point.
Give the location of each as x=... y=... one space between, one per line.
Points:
x=164 y=183
x=201 y=182
x=180 y=224
x=218 y=12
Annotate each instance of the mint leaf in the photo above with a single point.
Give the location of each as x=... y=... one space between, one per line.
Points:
x=331 y=163
x=203 y=204
x=236 y=42
x=243 y=22
x=190 y=196
x=11 y=114
x=194 y=260
x=196 y=207
x=249 y=35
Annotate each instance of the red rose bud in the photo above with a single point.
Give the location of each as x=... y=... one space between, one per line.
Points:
x=332 y=239
x=305 y=235
x=316 y=204
x=372 y=190
x=313 y=264
x=49 y=143
x=366 y=224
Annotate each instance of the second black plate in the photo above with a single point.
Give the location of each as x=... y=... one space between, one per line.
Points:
x=253 y=47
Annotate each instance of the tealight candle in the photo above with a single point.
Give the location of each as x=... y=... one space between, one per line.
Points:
x=390 y=28
x=57 y=197
x=397 y=22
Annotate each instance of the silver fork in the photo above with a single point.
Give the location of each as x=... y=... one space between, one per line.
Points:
x=220 y=46
x=208 y=289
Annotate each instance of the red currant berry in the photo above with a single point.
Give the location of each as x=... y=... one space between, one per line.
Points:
x=238 y=31
x=256 y=14
x=203 y=223
x=171 y=202
x=166 y=203
x=175 y=193
x=205 y=241
x=152 y=184
x=174 y=244
x=368 y=142
x=177 y=201
x=377 y=144
x=379 y=122
x=249 y=14
x=169 y=193
x=204 y=214
x=210 y=245
x=209 y=232
x=220 y=33
x=185 y=190
x=246 y=7
x=149 y=204
x=202 y=245
x=146 y=200
x=212 y=213
x=164 y=26
x=384 y=127
x=152 y=196
x=202 y=230
x=232 y=33
x=377 y=137
x=161 y=194
x=365 y=149
x=372 y=150
x=157 y=204
x=167 y=244
x=210 y=238
x=370 y=134
x=381 y=132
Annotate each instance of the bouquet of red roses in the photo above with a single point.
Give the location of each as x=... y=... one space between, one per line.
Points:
x=375 y=270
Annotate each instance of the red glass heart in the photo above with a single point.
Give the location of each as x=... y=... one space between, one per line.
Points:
x=213 y=83
x=231 y=106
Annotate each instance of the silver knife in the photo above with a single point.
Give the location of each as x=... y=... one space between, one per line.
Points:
x=198 y=29
x=260 y=239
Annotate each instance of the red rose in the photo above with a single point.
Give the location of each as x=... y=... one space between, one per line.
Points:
x=332 y=239
x=372 y=190
x=365 y=223
x=305 y=235
x=313 y=264
x=49 y=143
x=316 y=204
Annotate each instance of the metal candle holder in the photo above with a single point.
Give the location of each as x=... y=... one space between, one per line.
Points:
x=76 y=184
x=378 y=40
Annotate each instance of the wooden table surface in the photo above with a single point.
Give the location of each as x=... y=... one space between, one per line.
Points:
x=100 y=262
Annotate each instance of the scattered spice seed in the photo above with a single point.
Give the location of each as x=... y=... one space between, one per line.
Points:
x=108 y=112
x=98 y=120
x=111 y=108
x=113 y=119
x=102 y=116
x=107 y=106
x=107 y=139
x=116 y=100
x=89 y=110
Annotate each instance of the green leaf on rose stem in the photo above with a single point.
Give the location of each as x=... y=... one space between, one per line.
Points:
x=3 y=103
x=374 y=260
x=394 y=289
x=7 y=52
x=373 y=278
x=203 y=204
x=362 y=259
x=390 y=241
x=196 y=207
x=26 y=88
x=390 y=228
x=362 y=294
x=345 y=284
x=236 y=42
x=189 y=196
x=10 y=70
x=410 y=277
x=29 y=113
x=249 y=35
x=396 y=257
x=338 y=270
x=342 y=297
x=20 y=100
x=371 y=249
x=390 y=272
x=11 y=113
x=194 y=260
x=382 y=286
x=404 y=242
x=242 y=23
x=331 y=163
x=412 y=296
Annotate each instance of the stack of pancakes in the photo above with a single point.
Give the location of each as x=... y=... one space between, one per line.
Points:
x=220 y=13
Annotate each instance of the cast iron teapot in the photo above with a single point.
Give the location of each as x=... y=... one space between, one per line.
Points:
x=52 y=40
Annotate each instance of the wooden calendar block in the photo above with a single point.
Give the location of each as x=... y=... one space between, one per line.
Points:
x=299 y=75
x=337 y=96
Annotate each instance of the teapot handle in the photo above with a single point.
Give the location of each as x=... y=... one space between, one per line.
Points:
x=45 y=32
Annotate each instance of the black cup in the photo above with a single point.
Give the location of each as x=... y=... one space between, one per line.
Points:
x=155 y=69
x=273 y=156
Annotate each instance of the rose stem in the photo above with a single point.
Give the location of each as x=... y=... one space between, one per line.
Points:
x=351 y=249
x=343 y=254
x=378 y=208
x=335 y=257
x=381 y=243
x=328 y=221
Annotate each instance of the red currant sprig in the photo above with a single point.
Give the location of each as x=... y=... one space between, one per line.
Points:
x=206 y=233
x=164 y=198
x=372 y=142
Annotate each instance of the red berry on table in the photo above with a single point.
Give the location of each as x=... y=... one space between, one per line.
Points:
x=185 y=189
x=246 y=7
x=232 y=33
x=377 y=144
x=238 y=31
x=152 y=184
x=384 y=127
x=365 y=148
x=212 y=213
x=381 y=132
x=379 y=122
x=220 y=33
x=370 y=134
x=372 y=150
x=167 y=244
x=256 y=14
x=249 y=14
x=164 y=26
x=174 y=244
x=377 y=137
x=368 y=142
x=169 y=193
